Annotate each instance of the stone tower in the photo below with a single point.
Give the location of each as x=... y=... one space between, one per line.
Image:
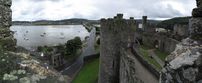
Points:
x=146 y=26
x=7 y=42
x=116 y=33
x=144 y=22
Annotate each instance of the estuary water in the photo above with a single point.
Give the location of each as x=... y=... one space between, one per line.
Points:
x=31 y=37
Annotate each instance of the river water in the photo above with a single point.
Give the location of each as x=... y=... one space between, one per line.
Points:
x=30 y=37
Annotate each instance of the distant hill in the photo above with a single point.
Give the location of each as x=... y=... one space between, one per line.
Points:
x=149 y=21
x=169 y=24
x=73 y=21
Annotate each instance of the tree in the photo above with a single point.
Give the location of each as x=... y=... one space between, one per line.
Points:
x=72 y=46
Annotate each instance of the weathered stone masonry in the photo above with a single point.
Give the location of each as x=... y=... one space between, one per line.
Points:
x=150 y=38
x=115 y=34
x=117 y=63
x=185 y=63
x=6 y=36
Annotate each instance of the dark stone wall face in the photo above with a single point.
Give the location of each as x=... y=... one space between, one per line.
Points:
x=197 y=11
x=196 y=29
x=128 y=69
x=7 y=41
x=181 y=30
x=196 y=22
x=199 y=3
x=115 y=34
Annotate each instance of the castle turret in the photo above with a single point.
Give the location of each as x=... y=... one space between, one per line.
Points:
x=144 y=22
x=115 y=34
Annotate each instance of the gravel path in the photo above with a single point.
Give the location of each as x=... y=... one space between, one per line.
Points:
x=143 y=73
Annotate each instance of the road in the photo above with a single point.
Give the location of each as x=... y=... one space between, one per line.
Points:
x=88 y=50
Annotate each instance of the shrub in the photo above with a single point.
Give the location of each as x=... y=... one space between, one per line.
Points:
x=44 y=49
x=72 y=46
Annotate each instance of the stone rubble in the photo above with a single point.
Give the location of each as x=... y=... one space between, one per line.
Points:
x=184 y=65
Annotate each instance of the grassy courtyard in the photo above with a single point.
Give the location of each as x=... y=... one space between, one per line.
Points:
x=145 y=55
x=89 y=72
x=161 y=55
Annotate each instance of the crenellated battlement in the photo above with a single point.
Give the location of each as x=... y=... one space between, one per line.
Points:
x=118 y=23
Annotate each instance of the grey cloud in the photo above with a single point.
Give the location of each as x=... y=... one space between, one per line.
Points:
x=161 y=12
x=45 y=0
x=97 y=9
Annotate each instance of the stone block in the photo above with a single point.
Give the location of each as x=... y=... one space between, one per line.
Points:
x=6 y=2
x=197 y=12
x=8 y=43
x=190 y=74
x=200 y=81
x=196 y=28
x=199 y=3
x=5 y=16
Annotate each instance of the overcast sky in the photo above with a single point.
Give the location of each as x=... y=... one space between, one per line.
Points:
x=95 y=9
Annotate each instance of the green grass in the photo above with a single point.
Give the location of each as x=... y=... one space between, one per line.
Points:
x=89 y=72
x=145 y=47
x=161 y=55
x=145 y=55
x=97 y=48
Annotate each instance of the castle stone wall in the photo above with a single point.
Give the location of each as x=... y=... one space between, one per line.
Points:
x=165 y=44
x=185 y=62
x=181 y=30
x=115 y=34
x=7 y=41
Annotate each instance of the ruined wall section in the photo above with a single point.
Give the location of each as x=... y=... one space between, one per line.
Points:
x=149 y=37
x=185 y=63
x=7 y=41
x=168 y=45
x=165 y=43
x=116 y=33
x=181 y=30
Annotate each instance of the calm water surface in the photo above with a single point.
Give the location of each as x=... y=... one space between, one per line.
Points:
x=33 y=36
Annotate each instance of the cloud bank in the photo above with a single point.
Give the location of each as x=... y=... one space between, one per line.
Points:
x=28 y=10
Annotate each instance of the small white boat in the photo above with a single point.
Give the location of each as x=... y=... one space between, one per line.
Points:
x=42 y=55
